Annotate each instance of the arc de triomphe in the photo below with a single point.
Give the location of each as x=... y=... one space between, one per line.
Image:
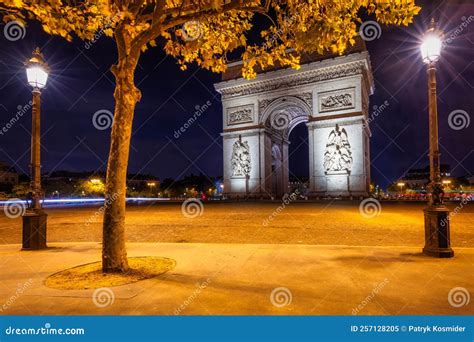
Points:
x=330 y=95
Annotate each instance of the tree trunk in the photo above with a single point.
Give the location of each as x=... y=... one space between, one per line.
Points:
x=114 y=253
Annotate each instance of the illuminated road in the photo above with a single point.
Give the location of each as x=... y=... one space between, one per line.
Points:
x=322 y=223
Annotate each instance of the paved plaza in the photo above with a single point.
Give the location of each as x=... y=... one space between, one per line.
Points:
x=312 y=223
x=312 y=258
x=245 y=279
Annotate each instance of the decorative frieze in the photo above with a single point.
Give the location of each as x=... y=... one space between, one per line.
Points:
x=294 y=80
x=352 y=120
x=305 y=97
x=336 y=100
x=263 y=104
x=240 y=114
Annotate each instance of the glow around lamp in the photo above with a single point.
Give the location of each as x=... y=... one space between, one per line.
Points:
x=432 y=44
x=37 y=70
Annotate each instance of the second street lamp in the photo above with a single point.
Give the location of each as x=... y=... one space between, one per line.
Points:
x=437 y=234
x=401 y=185
x=34 y=219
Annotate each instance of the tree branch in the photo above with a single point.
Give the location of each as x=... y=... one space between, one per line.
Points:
x=192 y=12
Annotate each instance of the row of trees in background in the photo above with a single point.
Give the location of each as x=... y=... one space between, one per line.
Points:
x=64 y=184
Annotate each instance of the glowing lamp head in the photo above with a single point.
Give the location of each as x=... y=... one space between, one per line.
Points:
x=37 y=70
x=432 y=44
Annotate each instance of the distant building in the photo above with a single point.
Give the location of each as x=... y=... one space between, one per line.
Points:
x=142 y=182
x=470 y=179
x=8 y=175
x=417 y=178
x=299 y=185
x=67 y=183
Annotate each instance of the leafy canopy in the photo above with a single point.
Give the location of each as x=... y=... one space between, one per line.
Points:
x=206 y=31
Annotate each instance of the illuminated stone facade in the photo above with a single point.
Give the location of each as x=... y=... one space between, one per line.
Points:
x=330 y=96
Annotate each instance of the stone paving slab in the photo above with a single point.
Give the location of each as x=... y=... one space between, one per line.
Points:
x=246 y=279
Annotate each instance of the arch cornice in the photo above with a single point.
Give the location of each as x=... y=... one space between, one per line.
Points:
x=335 y=68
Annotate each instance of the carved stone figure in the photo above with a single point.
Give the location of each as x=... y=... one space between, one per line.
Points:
x=241 y=158
x=338 y=155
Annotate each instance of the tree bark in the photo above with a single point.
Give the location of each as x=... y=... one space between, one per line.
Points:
x=114 y=253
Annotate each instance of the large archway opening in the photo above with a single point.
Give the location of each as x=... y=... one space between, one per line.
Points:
x=282 y=117
x=298 y=159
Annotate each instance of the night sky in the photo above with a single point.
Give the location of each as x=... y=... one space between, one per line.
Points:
x=81 y=84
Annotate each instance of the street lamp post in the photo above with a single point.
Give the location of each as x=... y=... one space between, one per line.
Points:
x=34 y=219
x=437 y=234
x=401 y=185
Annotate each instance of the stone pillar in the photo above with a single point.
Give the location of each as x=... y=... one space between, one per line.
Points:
x=286 y=166
x=241 y=163
x=338 y=136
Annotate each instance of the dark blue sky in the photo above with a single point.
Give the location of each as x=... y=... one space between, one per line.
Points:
x=81 y=84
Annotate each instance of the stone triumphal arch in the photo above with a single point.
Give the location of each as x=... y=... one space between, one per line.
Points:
x=330 y=95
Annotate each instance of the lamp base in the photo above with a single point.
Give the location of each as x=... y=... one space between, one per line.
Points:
x=34 y=229
x=437 y=233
